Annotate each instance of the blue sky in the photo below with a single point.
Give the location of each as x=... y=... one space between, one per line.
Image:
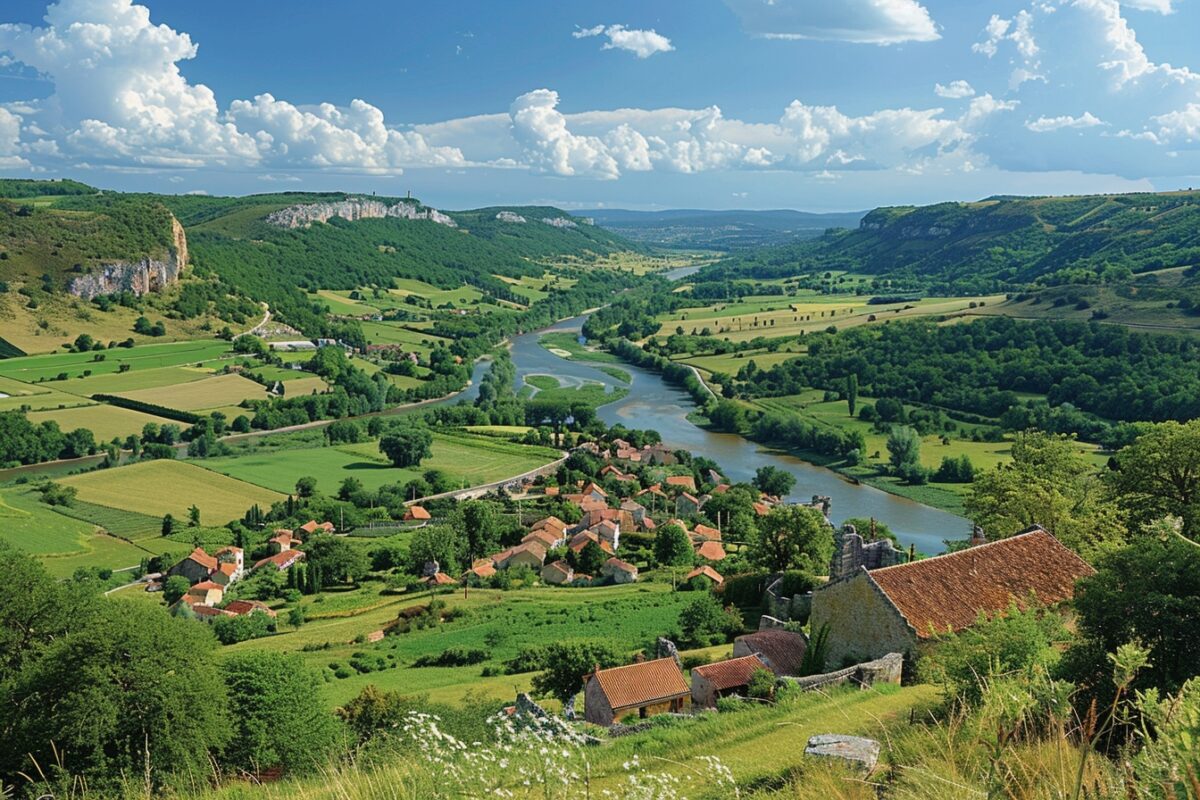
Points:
x=706 y=103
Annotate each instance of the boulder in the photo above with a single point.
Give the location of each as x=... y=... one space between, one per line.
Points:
x=856 y=751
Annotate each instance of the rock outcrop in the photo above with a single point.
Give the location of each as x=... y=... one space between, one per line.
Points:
x=353 y=209
x=510 y=216
x=150 y=274
x=560 y=222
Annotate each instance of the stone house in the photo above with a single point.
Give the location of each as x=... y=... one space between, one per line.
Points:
x=544 y=537
x=196 y=566
x=722 y=679
x=782 y=651
x=704 y=532
x=241 y=607
x=235 y=556
x=683 y=482
x=283 y=540
x=608 y=531
x=635 y=510
x=642 y=689
x=281 y=561
x=581 y=539
x=620 y=571
x=205 y=593
x=557 y=573
x=897 y=608
x=530 y=554
x=687 y=505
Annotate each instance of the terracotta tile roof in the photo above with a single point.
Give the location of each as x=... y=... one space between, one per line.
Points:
x=560 y=567
x=440 y=579
x=592 y=488
x=227 y=568
x=550 y=523
x=230 y=549
x=948 y=592
x=711 y=551
x=281 y=560
x=615 y=563
x=648 y=524
x=416 y=512
x=202 y=610
x=642 y=684
x=782 y=650
x=310 y=526
x=589 y=503
x=202 y=558
x=729 y=674
x=207 y=586
x=240 y=607
x=762 y=509
x=552 y=491
x=484 y=570
x=685 y=481
x=707 y=572
x=285 y=537
x=706 y=532
x=721 y=488
x=632 y=505
x=535 y=549
x=545 y=537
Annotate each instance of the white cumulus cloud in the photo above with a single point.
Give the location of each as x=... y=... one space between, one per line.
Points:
x=1047 y=124
x=956 y=90
x=861 y=21
x=1179 y=126
x=642 y=43
x=120 y=99
x=1157 y=6
x=540 y=130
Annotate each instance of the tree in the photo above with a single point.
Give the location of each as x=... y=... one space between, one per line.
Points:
x=852 y=392
x=175 y=587
x=566 y=664
x=194 y=517
x=168 y=524
x=306 y=486
x=407 y=447
x=274 y=725
x=349 y=488
x=792 y=537
x=1159 y=474
x=590 y=559
x=336 y=559
x=728 y=416
x=479 y=523
x=441 y=543
x=1048 y=483
x=1144 y=592
x=107 y=692
x=774 y=481
x=904 y=448
x=703 y=622
x=672 y=547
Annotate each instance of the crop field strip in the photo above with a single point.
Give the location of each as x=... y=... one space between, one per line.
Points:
x=31 y=368
x=170 y=487
x=210 y=392
x=103 y=420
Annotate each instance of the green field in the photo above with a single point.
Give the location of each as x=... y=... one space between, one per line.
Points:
x=103 y=420
x=32 y=368
x=568 y=343
x=133 y=380
x=214 y=392
x=170 y=487
x=472 y=460
x=341 y=305
x=28 y=523
x=395 y=333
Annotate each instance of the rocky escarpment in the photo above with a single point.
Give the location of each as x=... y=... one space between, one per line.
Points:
x=353 y=209
x=150 y=274
x=509 y=216
x=560 y=222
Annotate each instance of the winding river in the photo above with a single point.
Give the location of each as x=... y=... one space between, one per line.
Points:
x=655 y=405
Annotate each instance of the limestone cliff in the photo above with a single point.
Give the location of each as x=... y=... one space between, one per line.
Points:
x=150 y=274
x=352 y=209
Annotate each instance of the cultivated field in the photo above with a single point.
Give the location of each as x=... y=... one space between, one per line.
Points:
x=33 y=368
x=170 y=487
x=214 y=392
x=470 y=460
x=103 y=420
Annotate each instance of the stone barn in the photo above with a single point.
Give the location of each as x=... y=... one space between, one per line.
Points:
x=641 y=689
x=893 y=609
x=782 y=651
x=714 y=681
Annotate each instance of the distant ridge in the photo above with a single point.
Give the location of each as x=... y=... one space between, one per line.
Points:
x=731 y=229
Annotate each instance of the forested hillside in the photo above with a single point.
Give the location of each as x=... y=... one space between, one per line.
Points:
x=998 y=242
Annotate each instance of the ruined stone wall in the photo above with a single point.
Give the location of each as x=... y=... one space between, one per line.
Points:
x=863 y=625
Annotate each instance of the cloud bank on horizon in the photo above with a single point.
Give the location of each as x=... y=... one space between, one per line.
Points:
x=1056 y=86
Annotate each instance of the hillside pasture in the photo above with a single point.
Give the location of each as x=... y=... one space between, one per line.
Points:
x=105 y=421
x=32 y=368
x=470 y=460
x=133 y=380
x=212 y=392
x=170 y=487
x=28 y=523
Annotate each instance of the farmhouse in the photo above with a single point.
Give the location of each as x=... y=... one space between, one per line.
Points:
x=545 y=537
x=722 y=679
x=685 y=482
x=894 y=609
x=205 y=593
x=530 y=554
x=782 y=651
x=281 y=561
x=620 y=571
x=581 y=539
x=312 y=526
x=705 y=573
x=644 y=689
x=482 y=568
x=710 y=551
x=282 y=541
x=416 y=514
x=705 y=532
x=557 y=573
x=686 y=505
x=196 y=566
x=439 y=579
x=241 y=607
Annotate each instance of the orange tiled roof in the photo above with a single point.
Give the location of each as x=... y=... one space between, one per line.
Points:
x=543 y=536
x=729 y=674
x=281 y=560
x=617 y=564
x=416 y=512
x=440 y=579
x=202 y=558
x=642 y=684
x=685 y=481
x=706 y=532
x=484 y=570
x=240 y=607
x=711 y=551
x=551 y=523
x=948 y=592
x=707 y=572
x=207 y=586
x=784 y=650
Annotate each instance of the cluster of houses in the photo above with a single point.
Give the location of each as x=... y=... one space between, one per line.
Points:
x=211 y=574
x=876 y=605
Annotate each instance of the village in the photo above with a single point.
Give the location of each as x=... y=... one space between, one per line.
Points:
x=871 y=612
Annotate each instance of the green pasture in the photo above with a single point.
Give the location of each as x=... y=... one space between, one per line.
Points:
x=339 y=303
x=157 y=488
x=569 y=343
x=33 y=526
x=135 y=379
x=211 y=392
x=103 y=420
x=147 y=356
x=397 y=333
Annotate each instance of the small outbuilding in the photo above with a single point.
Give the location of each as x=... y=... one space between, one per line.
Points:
x=642 y=689
x=722 y=679
x=781 y=651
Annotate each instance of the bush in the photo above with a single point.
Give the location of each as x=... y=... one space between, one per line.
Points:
x=453 y=657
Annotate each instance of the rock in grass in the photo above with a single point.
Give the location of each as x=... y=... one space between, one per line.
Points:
x=853 y=750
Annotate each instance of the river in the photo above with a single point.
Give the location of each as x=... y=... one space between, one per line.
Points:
x=653 y=404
